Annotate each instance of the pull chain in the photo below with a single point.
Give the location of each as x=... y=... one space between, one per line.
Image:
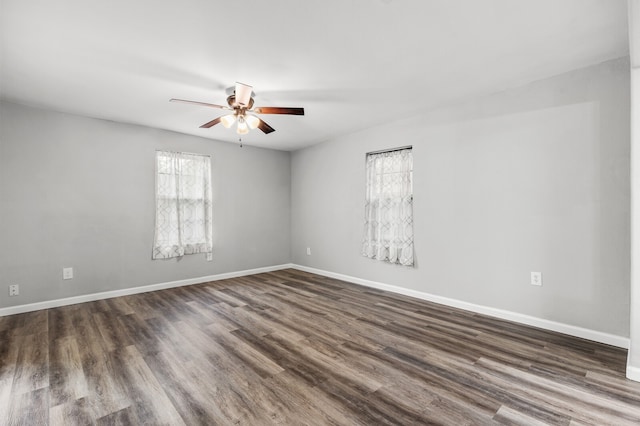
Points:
x=240 y=140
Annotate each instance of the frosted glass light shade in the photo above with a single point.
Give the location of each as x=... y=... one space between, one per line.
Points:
x=228 y=120
x=252 y=121
x=242 y=127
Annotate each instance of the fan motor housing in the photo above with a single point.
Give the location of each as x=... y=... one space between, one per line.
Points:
x=231 y=100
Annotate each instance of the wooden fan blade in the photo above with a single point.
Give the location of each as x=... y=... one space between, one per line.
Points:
x=211 y=123
x=265 y=127
x=279 y=110
x=199 y=103
x=243 y=94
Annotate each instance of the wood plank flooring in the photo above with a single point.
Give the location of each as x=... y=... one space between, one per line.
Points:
x=294 y=348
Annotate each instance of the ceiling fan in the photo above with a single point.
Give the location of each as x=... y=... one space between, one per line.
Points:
x=241 y=111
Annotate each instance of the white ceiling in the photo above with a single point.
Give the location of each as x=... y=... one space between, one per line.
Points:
x=350 y=63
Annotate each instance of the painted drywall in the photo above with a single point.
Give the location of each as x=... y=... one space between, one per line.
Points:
x=79 y=192
x=633 y=362
x=532 y=179
x=634 y=349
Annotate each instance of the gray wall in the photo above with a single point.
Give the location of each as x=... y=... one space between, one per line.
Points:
x=634 y=350
x=79 y=192
x=633 y=364
x=531 y=179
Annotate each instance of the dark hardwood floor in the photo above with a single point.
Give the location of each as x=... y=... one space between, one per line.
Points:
x=294 y=348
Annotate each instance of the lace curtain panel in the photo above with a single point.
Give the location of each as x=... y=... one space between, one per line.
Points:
x=388 y=229
x=183 y=205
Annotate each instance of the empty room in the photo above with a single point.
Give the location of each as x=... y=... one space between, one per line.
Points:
x=356 y=212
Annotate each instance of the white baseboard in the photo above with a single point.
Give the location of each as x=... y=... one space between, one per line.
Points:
x=11 y=310
x=572 y=330
x=633 y=373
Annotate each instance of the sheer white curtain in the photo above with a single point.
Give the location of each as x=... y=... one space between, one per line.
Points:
x=183 y=205
x=388 y=229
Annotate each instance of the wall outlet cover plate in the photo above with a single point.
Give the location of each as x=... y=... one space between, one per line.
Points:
x=536 y=278
x=67 y=273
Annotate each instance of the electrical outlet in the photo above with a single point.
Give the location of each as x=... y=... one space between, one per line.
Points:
x=209 y=257
x=308 y=251
x=536 y=278
x=67 y=273
x=14 y=290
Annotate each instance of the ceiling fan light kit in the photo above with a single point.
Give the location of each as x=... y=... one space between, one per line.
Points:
x=243 y=129
x=252 y=121
x=241 y=103
x=228 y=120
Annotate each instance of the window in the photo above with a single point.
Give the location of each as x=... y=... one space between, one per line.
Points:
x=183 y=205
x=388 y=228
